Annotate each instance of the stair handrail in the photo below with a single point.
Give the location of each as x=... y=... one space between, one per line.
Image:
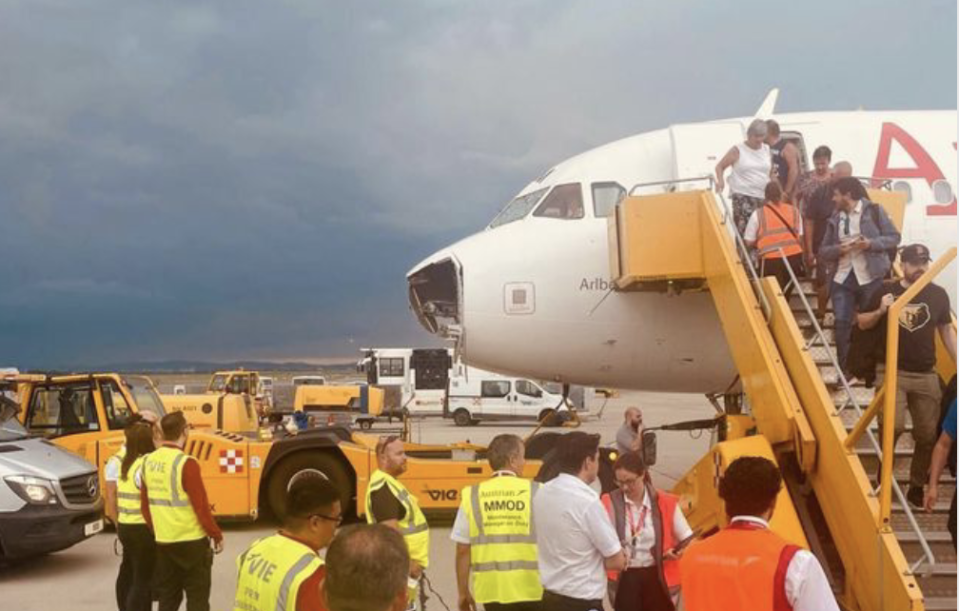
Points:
x=863 y=423
x=891 y=375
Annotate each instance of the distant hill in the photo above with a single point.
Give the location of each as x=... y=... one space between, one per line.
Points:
x=185 y=366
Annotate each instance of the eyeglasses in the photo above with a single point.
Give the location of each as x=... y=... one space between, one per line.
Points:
x=337 y=519
x=626 y=483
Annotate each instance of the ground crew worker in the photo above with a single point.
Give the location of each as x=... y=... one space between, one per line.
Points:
x=135 y=578
x=775 y=227
x=389 y=502
x=746 y=566
x=174 y=504
x=494 y=536
x=283 y=572
x=368 y=567
x=574 y=537
x=653 y=531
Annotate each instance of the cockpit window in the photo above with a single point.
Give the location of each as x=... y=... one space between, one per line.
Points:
x=606 y=195
x=518 y=208
x=563 y=202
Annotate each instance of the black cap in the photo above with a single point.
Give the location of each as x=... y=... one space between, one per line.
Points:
x=915 y=254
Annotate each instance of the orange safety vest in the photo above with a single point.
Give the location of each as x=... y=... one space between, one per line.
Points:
x=740 y=568
x=667 y=506
x=773 y=234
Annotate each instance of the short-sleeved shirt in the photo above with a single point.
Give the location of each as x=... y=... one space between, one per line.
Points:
x=386 y=506
x=819 y=208
x=918 y=323
x=949 y=423
x=625 y=437
x=111 y=470
x=573 y=537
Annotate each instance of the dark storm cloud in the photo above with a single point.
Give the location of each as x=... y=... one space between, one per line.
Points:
x=186 y=180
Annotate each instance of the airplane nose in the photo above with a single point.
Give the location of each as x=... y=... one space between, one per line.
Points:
x=435 y=293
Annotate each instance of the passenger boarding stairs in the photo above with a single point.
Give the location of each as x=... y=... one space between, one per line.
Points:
x=880 y=553
x=917 y=532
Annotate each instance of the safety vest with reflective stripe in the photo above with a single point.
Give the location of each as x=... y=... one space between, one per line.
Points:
x=773 y=234
x=503 y=556
x=128 y=494
x=270 y=573
x=413 y=526
x=173 y=517
x=740 y=568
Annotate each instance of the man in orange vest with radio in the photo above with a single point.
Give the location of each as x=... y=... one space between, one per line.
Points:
x=775 y=231
x=746 y=566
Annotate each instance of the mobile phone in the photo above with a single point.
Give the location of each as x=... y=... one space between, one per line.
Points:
x=682 y=544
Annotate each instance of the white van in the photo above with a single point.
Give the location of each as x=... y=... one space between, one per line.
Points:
x=476 y=395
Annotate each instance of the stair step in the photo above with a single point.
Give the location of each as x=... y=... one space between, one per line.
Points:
x=938 y=581
x=939 y=603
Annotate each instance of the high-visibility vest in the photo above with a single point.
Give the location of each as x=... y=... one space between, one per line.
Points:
x=128 y=494
x=773 y=234
x=503 y=558
x=413 y=526
x=667 y=505
x=740 y=568
x=173 y=517
x=270 y=573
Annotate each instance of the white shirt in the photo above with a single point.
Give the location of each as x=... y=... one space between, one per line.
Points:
x=807 y=588
x=461 y=526
x=855 y=261
x=642 y=546
x=751 y=172
x=111 y=470
x=752 y=226
x=574 y=536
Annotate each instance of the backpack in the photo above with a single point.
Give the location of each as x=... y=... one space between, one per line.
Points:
x=874 y=212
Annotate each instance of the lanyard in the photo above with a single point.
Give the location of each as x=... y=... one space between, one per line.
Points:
x=636 y=527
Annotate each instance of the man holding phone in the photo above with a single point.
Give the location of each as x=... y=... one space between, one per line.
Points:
x=855 y=253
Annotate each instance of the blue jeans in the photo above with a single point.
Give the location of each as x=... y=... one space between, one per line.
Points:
x=846 y=299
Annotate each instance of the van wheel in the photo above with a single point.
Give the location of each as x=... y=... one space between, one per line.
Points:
x=549 y=418
x=462 y=417
x=305 y=464
x=366 y=425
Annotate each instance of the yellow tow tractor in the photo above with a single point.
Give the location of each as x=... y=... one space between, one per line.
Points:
x=232 y=402
x=245 y=476
x=358 y=404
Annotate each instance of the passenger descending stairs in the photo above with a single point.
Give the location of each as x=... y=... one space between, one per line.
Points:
x=937 y=581
x=801 y=410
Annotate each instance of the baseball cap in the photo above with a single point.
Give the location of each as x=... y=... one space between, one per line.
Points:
x=915 y=254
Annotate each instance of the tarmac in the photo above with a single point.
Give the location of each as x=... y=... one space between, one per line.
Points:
x=82 y=578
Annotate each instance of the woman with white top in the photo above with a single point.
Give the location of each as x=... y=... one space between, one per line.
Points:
x=752 y=165
x=653 y=531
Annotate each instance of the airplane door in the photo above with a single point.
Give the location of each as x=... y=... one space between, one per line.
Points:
x=697 y=148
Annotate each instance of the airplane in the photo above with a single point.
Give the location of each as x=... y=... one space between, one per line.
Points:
x=531 y=293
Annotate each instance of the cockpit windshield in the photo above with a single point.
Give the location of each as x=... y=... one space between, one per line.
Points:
x=518 y=208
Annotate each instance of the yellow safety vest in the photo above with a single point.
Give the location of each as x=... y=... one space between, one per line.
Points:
x=173 y=517
x=128 y=494
x=503 y=557
x=413 y=526
x=270 y=573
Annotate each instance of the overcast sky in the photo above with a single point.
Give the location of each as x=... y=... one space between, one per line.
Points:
x=187 y=180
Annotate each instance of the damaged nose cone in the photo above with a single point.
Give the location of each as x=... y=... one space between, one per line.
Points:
x=435 y=292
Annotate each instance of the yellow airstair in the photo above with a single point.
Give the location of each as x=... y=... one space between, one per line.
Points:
x=880 y=554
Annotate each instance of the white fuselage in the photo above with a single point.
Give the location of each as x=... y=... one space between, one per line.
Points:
x=532 y=297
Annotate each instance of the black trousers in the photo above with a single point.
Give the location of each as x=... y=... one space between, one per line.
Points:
x=523 y=606
x=135 y=579
x=558 y=602
x=640 y=590
x=779 y=268
x=184 y=568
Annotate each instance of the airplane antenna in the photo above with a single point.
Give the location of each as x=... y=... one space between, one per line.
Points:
x=768 y=107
